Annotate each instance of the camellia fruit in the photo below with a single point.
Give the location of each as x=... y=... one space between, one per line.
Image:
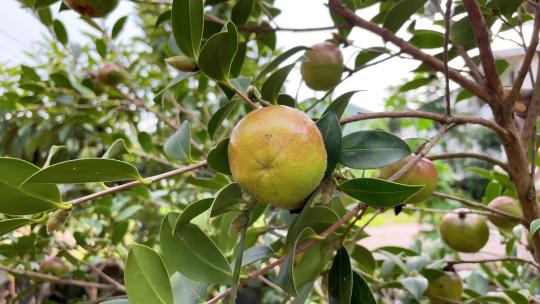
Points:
x=324 y=67
x=508 y=205
x=447 y=286
x=110 y=74
x=92 y=8
x=277 y=155
x=465 y=232
x=423 y=173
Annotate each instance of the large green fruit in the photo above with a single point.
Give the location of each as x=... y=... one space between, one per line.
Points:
x=92 y=8
x=423 y=173
x=324 y=68
x=508 y=205
x=447 y=286
x=465 y=232
x=277 y=155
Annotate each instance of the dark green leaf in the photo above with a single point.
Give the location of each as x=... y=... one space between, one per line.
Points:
x=101 y=48
x=364 y=259
x=191 y=211
x=60 y=32
x=272 y=86
x=372 y=149
x=427 y=39
x=217 y=119
x=378 y=193
x=241 y=11
x=9 y=225
x=177 y=79
x=186 y=291
x=361 y=293
x=415 y=83
x=178 y=146
x=286 y=100
x=215 y=183
x=146 y=278
x=367 y=55
x=339 y=105
x=117 y=148
x=257 y=253
x=218 y=158
x=218 y=53
x=87 y=170
x=163 y=17
x=187 y=25
x=340 y=280
x=118 y=26
x=278 y=60
x=331 y=132
x=227 y=199
x=400 y=13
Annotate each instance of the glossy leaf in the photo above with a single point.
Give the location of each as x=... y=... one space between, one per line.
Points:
x=331 y=133
x=146 y=278
x=86 y=170
x=118 y=26
x=339 y=105
x=9 y=225
x=400 y=13
x=217 y=119
x=257 y=253
x=178 y=146
x=318 y=218
x=427 y=39
x=117 y=148
x=218 y=158
x=367 y=55
x=377 y=192
x=192 y=253
x=278 y=60
x=272 y=86
x=193 y=210
x=364 y=259
x=361 y=293
x=218 y=53
x=340 y=280
x=372 y=149
x=227 y=199
x=187 y=25
x=415 y=83
x=241 y=11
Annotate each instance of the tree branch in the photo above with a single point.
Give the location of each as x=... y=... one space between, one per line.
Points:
x=456 y=119
x=532 y=112
x=479 y=156
x=502 y=259
x=481 y=33
x=406 y=47
x=130 y=185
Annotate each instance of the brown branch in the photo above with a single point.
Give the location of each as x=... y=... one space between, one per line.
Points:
x=406 y=47
x=447 y=20
x=532 y=112
x=456 y=119
x=479 y=156
x=56 y=280
x=445 y=211
x=481 y=33
x=502 y=259
x=474 y=204
x=130 y=185
x=526 y=65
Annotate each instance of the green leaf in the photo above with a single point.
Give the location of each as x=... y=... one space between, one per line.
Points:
x=400 y=13
x=86 y=170
x=415 y=83
x=186 y=291
x=461 y=32
x=318 y=218
x=340 y=21
x=60 y=32
x=119 y=301
x=377 y=192
x=119 y=232
x=535 y=226
x=218 y=52
x=272 y=86
x=52 y=152
x=364 y=259
x=162 y=18
x=286 y=100
x=215 y=183
x=146 y=278
x=278 y=60
x=340 y=280
x=367 y=55
x=118 y=26
x=331 y=133
x=506 y=7
x=227 y=199
x=9 y=225
x=372 y=149
x=191 y=211
x=192 y=253
x=43 y=3
x=339 y=105
x=427 y=39
x=178 y=146
x=187 y=25
x=128 y=212
x=361 y=293
x=101 y=48
x=241 y=11
x=217 y=119
x=415 y=285
x=117 y=148
x=257 y=253
x=218 y=157
x=177 y=79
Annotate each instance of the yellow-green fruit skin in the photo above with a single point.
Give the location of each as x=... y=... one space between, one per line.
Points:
x=423 y=173
x=464 y=232
x=508 y=205
x=324 y=67
x=448 y=286
x=277 y=155
x=92 y=8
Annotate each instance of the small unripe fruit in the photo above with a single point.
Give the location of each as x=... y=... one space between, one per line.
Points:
x=110 y=74
x=92 y=8
x=182 y=63
x=447 y=286
x=324 y=68
x=277 y=155
x=508 y=205
x=465 y=232
x=54 y=266
x=423 y=173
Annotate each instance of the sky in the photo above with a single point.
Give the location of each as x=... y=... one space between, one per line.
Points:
x=19 y=29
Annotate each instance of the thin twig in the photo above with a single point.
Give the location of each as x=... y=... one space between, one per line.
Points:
x=447 y=20
x=502 y=259
x=479 y=156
